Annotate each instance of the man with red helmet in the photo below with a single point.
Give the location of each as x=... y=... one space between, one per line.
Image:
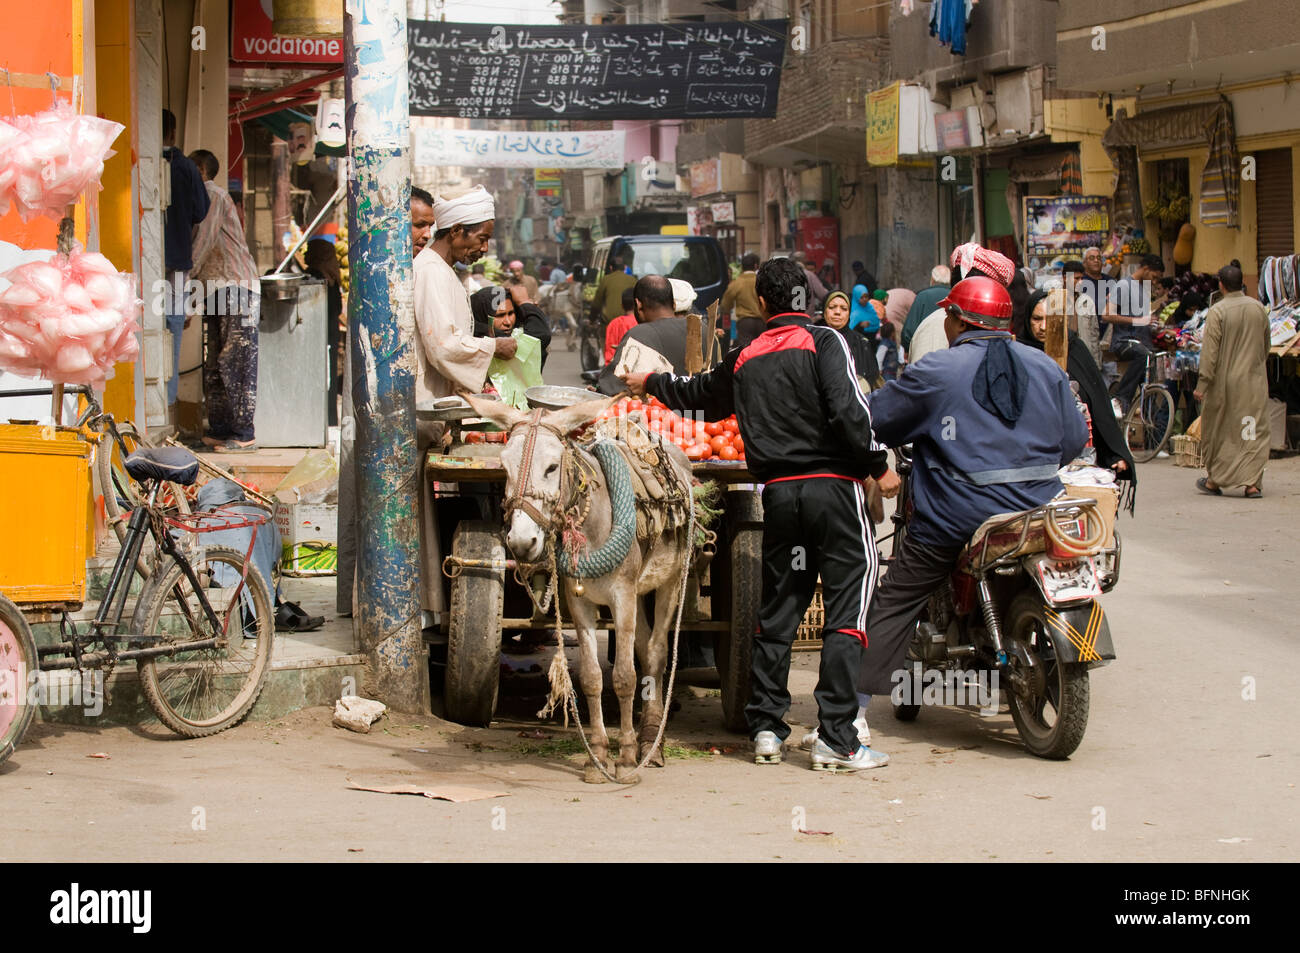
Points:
x=990 y=421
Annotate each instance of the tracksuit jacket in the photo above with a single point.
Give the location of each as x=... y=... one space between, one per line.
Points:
x=968 y=464
x=796 y=398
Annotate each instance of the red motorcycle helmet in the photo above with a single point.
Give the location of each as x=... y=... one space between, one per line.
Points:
x=982 y=302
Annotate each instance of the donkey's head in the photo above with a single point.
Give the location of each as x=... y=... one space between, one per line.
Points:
x=533 y=459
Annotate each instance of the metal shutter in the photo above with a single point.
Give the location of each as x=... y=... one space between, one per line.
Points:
x=1274 y=204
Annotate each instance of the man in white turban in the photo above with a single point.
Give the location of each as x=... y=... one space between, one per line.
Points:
x=451 y=359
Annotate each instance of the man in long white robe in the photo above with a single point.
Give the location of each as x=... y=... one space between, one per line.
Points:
x=451 y=359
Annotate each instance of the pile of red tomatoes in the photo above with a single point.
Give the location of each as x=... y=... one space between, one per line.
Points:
x=717 y=440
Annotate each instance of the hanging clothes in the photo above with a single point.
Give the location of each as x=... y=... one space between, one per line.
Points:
x=948 y=22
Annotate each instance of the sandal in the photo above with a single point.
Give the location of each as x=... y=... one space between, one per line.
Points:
x=1253 y=494
x=290 y=617
x=234 y=446
x=1203 y=485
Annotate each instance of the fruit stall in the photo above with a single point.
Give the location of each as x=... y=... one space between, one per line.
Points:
x=488 y=602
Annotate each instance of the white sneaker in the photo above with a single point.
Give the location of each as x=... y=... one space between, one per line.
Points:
x=824 y=759
x=864 y=734
x=767 y=748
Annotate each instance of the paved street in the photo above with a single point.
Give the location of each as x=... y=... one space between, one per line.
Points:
x=1176 y=764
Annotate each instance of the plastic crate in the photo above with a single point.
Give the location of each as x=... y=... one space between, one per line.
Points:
x=1187 y=452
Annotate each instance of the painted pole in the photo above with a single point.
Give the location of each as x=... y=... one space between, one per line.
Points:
x=382 y=341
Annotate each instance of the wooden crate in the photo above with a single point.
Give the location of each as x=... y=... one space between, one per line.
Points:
x=1187 y=452
x=808 y=638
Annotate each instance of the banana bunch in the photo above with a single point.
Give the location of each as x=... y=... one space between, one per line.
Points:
x=341 y=250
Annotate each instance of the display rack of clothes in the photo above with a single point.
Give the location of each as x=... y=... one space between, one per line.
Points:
x=1279 y=291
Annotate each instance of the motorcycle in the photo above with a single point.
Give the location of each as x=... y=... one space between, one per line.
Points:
x=1018 y=617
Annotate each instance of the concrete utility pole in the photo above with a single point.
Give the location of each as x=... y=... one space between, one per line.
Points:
x=382 y=339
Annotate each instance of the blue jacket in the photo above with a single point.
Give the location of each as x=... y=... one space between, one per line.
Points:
x=189 y=207
x=968 y=464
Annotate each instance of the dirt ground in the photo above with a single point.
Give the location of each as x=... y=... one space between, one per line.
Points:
x=1190 y=753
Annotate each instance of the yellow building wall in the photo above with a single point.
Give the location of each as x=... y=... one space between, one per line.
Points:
x=113 y=40
x=1084 y=121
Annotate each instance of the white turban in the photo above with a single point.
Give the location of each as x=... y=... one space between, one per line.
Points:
x=473 y=207
x=683 y=295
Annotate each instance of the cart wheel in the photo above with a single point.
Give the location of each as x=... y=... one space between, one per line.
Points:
x=474 y=634
x=18 y=663
x=734 y=648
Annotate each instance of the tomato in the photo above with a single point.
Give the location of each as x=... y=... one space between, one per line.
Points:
x=728 y=453
x=730 y=425
x=738 y=444
x=718 y=442
x=713 y=428
x=632 y=403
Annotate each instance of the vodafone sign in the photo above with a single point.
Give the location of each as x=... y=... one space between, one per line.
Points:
x=253 y=41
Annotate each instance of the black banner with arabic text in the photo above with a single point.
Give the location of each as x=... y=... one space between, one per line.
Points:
x=671 y=70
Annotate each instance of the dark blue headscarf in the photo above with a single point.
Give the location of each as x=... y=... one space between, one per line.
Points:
x=1000 y=383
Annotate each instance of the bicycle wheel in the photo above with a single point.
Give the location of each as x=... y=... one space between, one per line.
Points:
x=200 y=692
x=1148 y=423
x=18 y=664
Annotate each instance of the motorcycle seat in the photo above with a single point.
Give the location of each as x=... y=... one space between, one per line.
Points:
x=998 y=536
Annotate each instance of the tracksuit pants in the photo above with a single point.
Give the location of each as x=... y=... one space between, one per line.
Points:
x=912 y=578
x=813 y=525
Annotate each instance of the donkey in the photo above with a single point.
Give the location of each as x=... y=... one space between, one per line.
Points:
x=533 y=493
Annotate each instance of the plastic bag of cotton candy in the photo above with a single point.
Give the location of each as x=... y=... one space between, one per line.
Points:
x=68 y=320
x=49 y=159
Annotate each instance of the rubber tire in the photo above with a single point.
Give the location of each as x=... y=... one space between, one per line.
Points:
x=906 y=712
x=13 y=619
x=150 y=605
x=735 y=651
x=474 y=631
x=1162 y=397
x=1072 y=715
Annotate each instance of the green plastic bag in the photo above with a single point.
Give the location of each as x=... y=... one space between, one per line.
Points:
x=511 y=378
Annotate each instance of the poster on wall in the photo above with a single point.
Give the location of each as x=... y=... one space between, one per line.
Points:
x=882 y=126
x=548 y=183
x=1064 y=225
x=819 y=239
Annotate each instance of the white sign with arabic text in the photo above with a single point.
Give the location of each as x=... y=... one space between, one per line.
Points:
x=519 y=150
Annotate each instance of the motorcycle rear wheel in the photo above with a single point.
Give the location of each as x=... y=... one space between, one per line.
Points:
x=1052 y=723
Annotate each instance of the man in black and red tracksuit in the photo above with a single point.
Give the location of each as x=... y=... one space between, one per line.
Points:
x=807 y=433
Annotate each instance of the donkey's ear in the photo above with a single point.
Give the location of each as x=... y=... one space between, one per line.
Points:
x=571 y=418
x=499 y=412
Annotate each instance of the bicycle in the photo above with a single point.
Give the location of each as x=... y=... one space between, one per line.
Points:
x=1149 y=421
x=202 y=629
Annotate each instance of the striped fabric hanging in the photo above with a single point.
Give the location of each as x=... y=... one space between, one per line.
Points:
x=1220 y=182
x=1071 y=175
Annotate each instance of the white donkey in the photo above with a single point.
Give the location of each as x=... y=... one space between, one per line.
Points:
x=539 y=489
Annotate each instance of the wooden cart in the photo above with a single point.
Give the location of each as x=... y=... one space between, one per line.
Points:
x=485 y=598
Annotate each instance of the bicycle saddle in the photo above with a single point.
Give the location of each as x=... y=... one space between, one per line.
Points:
x=173 y=464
